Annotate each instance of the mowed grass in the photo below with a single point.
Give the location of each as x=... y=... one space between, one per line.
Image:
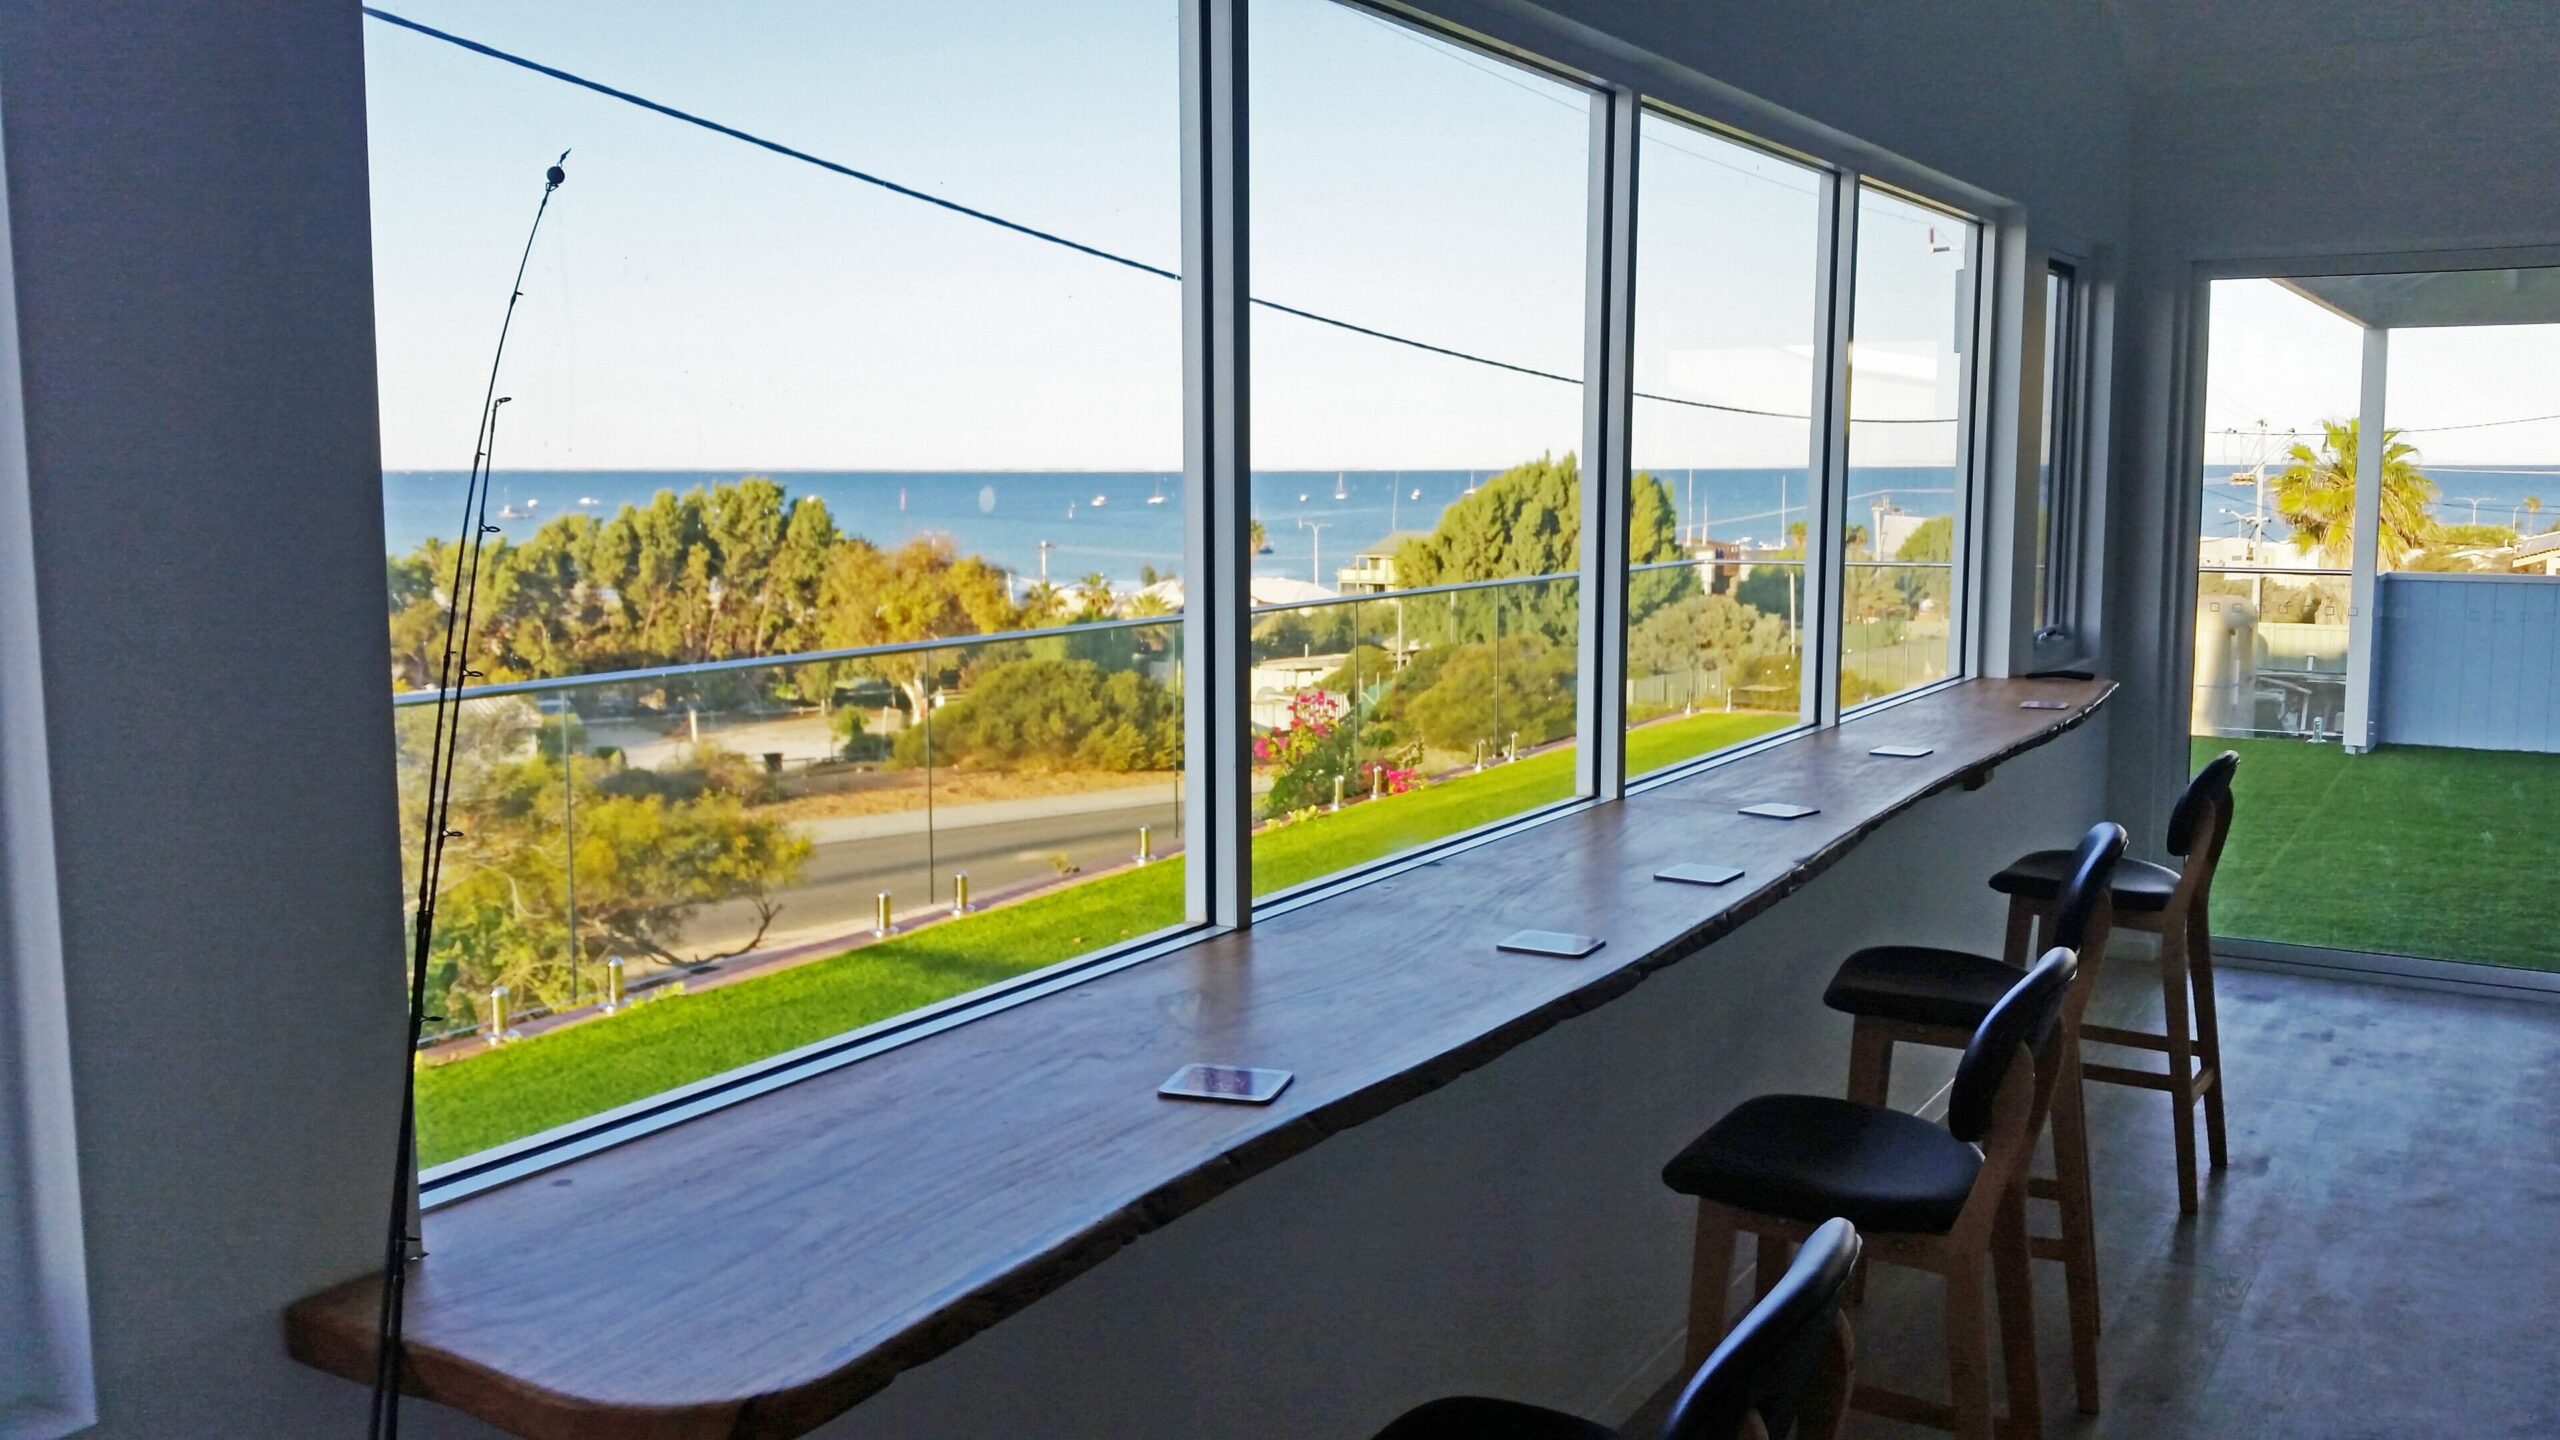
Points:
x=2447 y=854
x=580 y=1070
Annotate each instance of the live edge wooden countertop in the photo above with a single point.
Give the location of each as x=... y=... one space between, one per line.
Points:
x=756 y=1271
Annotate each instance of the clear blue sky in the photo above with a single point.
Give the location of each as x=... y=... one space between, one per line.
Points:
x=2278 y=358
x=696 y=303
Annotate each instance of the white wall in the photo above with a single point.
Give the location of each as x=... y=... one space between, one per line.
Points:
x=189 y=217
x=2305 y=128
x=187 y=191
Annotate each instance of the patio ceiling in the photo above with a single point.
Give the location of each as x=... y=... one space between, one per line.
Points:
x=2439 y=298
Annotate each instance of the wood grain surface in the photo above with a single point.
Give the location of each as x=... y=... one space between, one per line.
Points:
x=759 y=1270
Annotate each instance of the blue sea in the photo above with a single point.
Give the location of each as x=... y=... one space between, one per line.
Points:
x=2491 y=494
x=1116 y=521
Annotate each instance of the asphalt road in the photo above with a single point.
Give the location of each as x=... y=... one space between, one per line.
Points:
x=844 y=878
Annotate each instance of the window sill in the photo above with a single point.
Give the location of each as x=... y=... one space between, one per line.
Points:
x=836 y=1232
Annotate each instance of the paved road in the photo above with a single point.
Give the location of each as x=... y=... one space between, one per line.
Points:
x=843 y=877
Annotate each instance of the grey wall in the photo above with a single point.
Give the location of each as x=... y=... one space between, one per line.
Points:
x=2471 y=661
x=2270 y=132
x=189 y=226
x=187 y=190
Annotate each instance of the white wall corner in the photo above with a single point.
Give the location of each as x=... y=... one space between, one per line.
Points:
x=46 y=1385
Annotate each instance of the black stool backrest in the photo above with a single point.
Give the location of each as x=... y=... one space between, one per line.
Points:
x=1764 y=1365
x=2093 y=868
x=2028 y=1015
x=2211 y=788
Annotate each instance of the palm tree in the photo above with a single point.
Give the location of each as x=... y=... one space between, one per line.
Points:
x=1041 y=602
x=2532 y=507
x=1256 y=538
x=1093 y=592
x=2316 y=495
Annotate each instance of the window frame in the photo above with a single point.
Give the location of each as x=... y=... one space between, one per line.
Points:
x=2061 y=486
x=1216 y=624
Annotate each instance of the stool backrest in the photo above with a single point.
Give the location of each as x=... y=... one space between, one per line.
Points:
x=2027 y=1016
x=1773 y=1361
x=2207 y=798
x=2085 y=890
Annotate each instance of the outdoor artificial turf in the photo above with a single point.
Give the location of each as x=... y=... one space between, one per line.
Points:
x=2407 y=850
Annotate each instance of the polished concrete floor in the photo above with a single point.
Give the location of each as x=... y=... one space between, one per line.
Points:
x=2381 y=1258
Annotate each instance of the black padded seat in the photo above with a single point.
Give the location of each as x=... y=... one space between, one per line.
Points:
x=1470 y=1418
x=2136 y=884
x=1810 y=1157
x=1921 y=984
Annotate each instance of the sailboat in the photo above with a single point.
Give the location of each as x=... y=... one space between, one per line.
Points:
x=1338 y=492
x=1158 y=497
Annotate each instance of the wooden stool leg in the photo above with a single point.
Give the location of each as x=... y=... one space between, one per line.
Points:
x=2017 y=1295
x=1968 y=1354
x=1770 y=1257
x=2079 y=1223
x=2208 y=1031
x=2022 y=932
x=1710 y=1276
x=2182 y=1070
x=1870 y=1080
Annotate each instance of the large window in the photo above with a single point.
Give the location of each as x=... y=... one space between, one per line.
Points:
x=1429 y=193
x=836 y=666
x=1910 y=391
x=1729 y=267
x=770 y=424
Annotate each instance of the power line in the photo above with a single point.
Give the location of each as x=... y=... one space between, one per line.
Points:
x=1034 y=232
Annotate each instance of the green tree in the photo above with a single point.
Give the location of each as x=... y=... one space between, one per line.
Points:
x=2316 y=495
x=923 y=590
x=1257 y=538
x=1048 y=714
x=651 y=851
x=1490 y=689
x=1528 y=521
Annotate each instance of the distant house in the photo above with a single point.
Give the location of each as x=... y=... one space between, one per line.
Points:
x=1373 y=570
x=2537 y=555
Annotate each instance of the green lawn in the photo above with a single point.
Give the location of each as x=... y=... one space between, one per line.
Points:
x=2449 y=854
x=578 y=1070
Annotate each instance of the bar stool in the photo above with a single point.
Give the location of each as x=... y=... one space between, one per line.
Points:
x=1945 y=1199
x=1928 y=996
x=2170 y=904
x=1786 y=1369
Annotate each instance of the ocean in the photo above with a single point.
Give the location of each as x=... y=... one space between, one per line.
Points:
x=2495 y=494
x=1115 y=521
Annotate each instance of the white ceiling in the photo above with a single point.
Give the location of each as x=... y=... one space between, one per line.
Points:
x=2189 y=44
x=2454 y=297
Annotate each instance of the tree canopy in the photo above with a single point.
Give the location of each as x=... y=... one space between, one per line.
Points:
x=2316 y=495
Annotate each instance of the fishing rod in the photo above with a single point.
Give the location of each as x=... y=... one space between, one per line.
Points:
x=401 y=1239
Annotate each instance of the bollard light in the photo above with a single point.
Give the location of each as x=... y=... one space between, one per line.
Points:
x=880 y=917
x=1377 y=781
x=497 y=1014
x=1337 y=794
x=612 y=983
x=960 y=892
x=1146 y=845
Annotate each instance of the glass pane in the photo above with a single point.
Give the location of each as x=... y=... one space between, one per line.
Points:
x=1910 y=371
x=762 y=410
x=1430 y=194
x=1727 y=273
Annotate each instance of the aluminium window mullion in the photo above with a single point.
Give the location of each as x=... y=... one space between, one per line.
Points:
x=1217 y=468
x=1607 y=415
x=1968 y=551
x=1826 y=546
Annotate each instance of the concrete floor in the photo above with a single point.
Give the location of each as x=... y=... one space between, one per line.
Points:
x=2379 y=1259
